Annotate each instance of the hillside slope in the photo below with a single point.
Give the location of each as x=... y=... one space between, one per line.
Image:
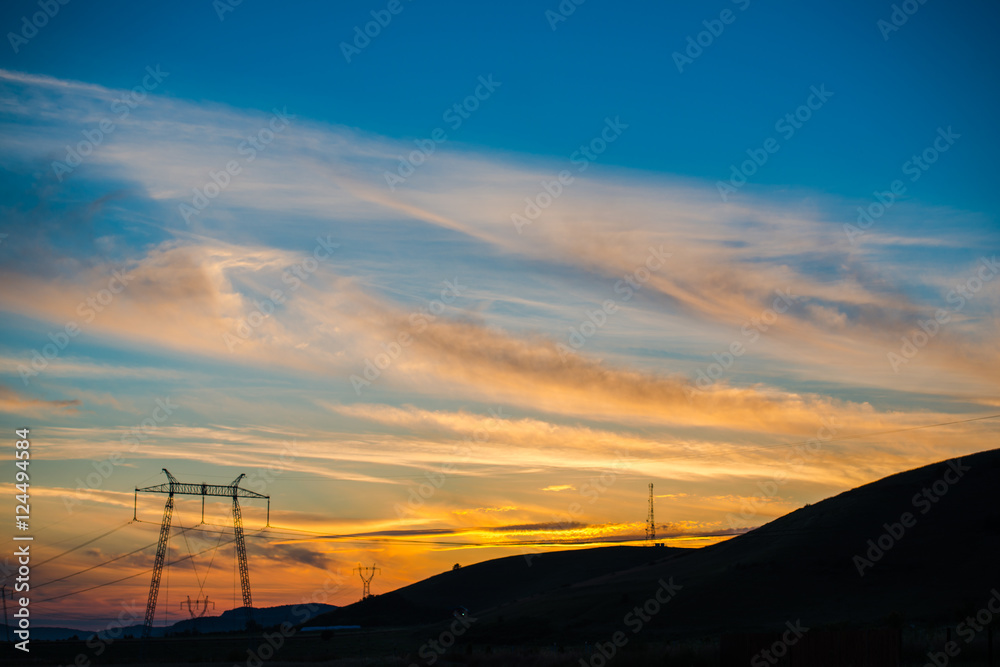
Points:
x=938 y=526
x=491 y=583
x=941 y=566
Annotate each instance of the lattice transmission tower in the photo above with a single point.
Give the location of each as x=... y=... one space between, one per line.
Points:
x=172 y=488
x=366 y=574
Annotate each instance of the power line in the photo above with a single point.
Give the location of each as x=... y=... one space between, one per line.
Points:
x=80 y=546
x=107 y=562
x=133 y=576
x=94 y=567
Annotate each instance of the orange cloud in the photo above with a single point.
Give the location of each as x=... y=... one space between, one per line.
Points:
x=17 y=403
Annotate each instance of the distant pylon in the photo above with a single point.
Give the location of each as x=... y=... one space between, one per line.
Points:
x=366 y=574
x=198 y=603
x=650 y=523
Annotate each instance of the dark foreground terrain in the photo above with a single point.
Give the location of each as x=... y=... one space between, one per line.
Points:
x=903 y=571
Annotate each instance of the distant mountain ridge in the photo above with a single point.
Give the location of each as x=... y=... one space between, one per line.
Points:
x=230 y=620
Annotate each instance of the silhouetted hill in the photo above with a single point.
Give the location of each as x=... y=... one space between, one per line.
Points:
x=941 y=566
x=802 y=566
x=488 y=584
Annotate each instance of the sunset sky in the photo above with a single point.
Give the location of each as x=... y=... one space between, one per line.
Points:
x=463 y=289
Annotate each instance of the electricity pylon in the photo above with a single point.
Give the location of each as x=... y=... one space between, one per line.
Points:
x=366 y=574
x=197 y=604
x=173 y=487
x=650 y=524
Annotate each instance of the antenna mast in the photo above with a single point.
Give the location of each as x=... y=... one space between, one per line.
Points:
x=650 y=523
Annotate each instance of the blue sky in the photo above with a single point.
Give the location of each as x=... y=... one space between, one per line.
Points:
x=605 y=59
x=584 y=299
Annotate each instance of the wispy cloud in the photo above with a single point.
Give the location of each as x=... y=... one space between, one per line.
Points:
x=17 y=402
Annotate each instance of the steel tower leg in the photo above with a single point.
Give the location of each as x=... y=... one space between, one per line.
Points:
x=161 y=554
x=241 y=556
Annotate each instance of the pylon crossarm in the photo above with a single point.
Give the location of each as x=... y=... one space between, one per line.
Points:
x=185 y=489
